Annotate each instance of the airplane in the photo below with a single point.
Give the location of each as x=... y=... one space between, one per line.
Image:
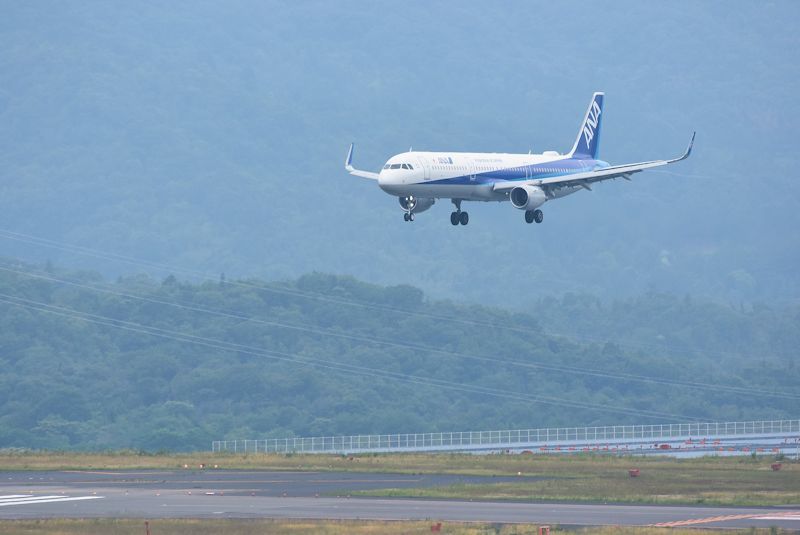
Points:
x=418 y=179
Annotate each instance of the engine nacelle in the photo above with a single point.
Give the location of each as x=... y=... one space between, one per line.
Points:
x=527 y=197
x=417 y=205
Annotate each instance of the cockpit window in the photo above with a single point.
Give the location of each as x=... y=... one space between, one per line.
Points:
x=398 y=166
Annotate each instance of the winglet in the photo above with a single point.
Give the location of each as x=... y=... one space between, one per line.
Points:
x=688 y=150
x=348 y=165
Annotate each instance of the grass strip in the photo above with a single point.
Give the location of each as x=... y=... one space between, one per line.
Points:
x=443 y=463
x=324 y=527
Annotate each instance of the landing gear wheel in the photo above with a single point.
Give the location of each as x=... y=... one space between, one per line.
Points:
x=528 y=216
x=463 y=218
x=538 y=216
x=406 y=217
x=454 y=218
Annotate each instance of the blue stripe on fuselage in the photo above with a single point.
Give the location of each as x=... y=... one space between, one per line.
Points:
x=526 y=172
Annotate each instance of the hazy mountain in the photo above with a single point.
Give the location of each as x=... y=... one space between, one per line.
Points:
x=142 y=363
x=211 y=136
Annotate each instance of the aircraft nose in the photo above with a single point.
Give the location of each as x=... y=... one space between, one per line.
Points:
x=387 y=178
x=388 y=181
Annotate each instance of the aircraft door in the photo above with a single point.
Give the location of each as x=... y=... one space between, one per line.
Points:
x=426 y=168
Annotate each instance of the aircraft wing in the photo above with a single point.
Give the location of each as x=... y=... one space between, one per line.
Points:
x=348 y=165
x=586 y=179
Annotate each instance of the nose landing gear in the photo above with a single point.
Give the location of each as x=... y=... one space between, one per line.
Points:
x=458 y=217
x=409 y=203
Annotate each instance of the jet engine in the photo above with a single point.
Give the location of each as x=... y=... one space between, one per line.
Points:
x=527 y=197
x=415 y=204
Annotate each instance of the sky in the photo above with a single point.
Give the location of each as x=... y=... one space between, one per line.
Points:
x=212 y=137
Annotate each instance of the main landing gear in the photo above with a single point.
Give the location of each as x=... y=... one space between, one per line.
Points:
x=534 y=215
x=458 y=217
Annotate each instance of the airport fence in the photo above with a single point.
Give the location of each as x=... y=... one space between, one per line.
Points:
x=514 y=439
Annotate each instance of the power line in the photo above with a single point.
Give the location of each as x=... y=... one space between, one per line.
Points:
x=44 y=242
x=571 y=370
x=325 y=364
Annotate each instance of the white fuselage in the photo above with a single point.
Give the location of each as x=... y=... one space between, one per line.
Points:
x=472 y=175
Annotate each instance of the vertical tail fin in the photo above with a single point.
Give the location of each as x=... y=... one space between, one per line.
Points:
x=588 y=139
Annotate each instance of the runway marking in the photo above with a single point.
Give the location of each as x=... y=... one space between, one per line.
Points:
x=29 y=499
x=788 y=515
x=92 y=472
x=791 y=515
x=106 y=473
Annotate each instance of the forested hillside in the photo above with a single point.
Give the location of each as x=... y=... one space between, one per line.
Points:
x=212 y=135
x=146 y=363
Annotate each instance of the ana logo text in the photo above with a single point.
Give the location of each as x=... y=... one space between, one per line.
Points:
x=591 y=123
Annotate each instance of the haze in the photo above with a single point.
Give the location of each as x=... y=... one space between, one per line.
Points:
x=213 y=136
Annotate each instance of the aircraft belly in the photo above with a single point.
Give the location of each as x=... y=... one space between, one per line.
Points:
x=479 y=192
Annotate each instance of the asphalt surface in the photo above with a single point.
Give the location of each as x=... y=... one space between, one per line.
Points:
x=239 y=482
x=255 y=494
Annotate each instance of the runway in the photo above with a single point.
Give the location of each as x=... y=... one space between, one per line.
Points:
x=254 y=494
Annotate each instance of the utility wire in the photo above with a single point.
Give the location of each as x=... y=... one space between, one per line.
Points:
x=44 y=242
x=571 y=370
x=325 y=364
x=272 y=289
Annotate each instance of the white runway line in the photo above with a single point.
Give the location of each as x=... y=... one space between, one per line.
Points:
x=27 y=499
x=789 y=516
